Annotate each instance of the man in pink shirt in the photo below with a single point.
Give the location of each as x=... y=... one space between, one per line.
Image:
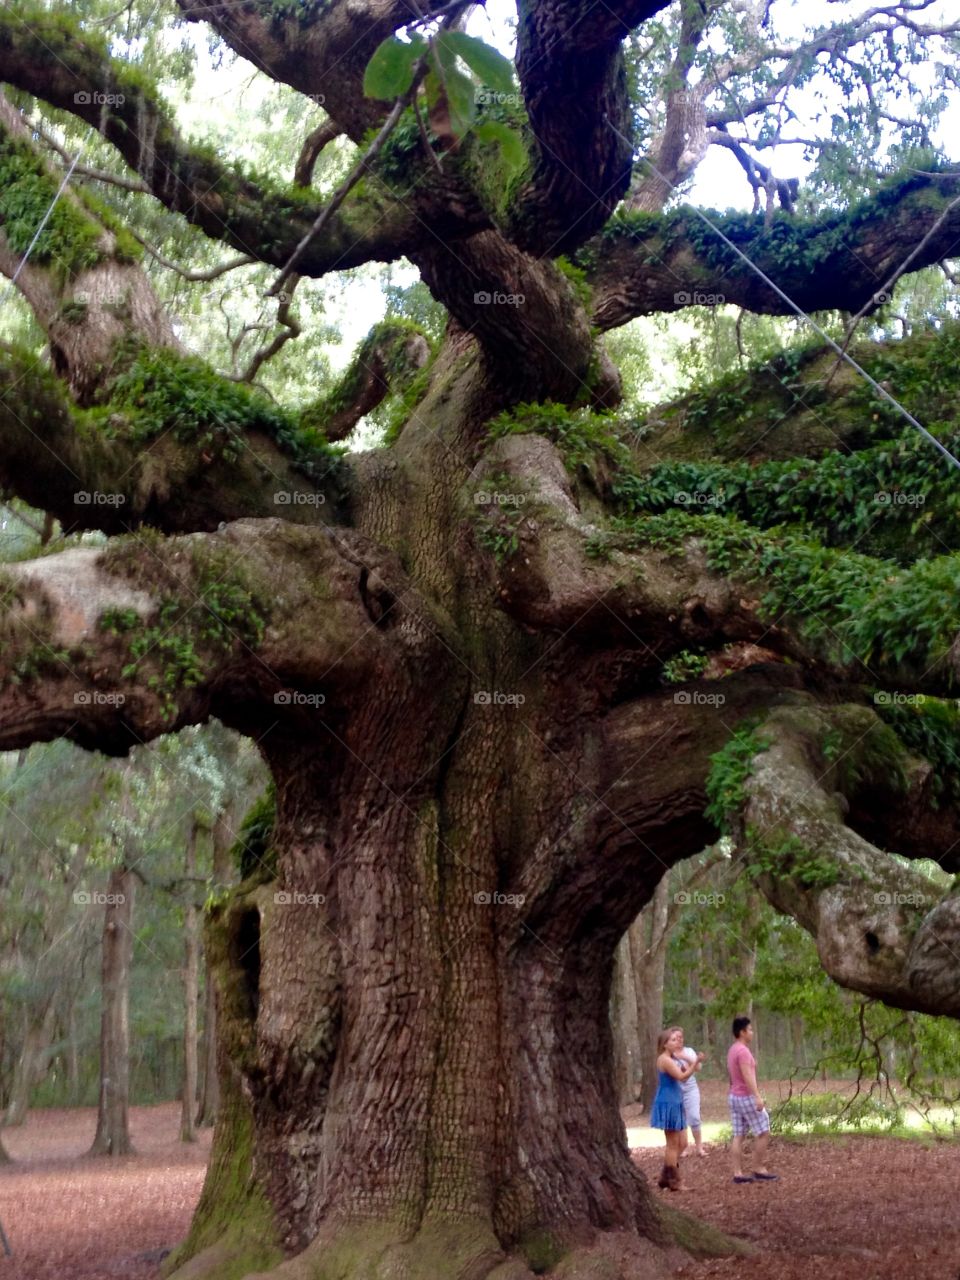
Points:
x=747 y=1111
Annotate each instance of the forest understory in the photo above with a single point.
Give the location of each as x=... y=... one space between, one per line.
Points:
x=881 y=1207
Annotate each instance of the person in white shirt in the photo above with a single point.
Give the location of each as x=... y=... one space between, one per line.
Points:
x=691 y=1104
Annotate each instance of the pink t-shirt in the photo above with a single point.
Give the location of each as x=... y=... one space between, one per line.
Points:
x=738 y=1056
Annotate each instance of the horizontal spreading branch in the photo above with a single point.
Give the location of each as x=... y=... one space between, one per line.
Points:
x=269 y=626
x=642 y=264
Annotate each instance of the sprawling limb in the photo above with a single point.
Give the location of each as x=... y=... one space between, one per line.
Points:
x=880 y=928
x=113 y=647
x=645 y=263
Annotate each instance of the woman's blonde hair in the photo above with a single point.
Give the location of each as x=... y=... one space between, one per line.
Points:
x=663 y=1037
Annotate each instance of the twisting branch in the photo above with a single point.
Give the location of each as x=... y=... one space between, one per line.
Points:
x=313 y=144
x=291 y=329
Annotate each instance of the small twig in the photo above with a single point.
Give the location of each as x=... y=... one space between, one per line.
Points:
x=208 y=273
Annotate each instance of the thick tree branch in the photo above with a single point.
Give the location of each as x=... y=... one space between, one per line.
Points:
x=45 y=56
x=113 y=479
x=880 y=928
x=281 y=625
x=642 y=265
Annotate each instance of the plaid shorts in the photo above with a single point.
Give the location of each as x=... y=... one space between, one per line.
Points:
x=746 y=1118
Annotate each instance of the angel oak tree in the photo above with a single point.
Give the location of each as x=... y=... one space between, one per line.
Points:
x=450 y=649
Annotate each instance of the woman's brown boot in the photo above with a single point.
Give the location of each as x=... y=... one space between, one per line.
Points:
x=664 y=1180
x=672 y=1174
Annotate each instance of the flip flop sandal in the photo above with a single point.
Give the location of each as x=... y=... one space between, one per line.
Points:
x=744 y=1178
x=767 y=1177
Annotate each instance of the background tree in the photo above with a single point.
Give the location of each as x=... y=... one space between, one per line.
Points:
x=453 y=649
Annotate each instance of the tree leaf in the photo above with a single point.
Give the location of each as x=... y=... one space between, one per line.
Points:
x=485 y=61
x=389 y=72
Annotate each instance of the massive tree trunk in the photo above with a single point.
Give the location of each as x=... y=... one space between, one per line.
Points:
x=113 y=1133
x=454 y=668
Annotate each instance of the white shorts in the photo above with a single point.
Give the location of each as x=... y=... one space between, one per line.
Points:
x=691 y=1104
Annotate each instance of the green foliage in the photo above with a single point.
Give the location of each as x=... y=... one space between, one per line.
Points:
x=848 y=606
x=583 y=437
x=830 y=1113
x=929 y=727
x=389 y=72
x=172 y=652
x=783 y=855
x=70 y=242
x=730 y=769
x=684 y=665
x=253 y=849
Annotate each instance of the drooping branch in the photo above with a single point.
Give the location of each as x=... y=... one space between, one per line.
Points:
x=880 y=927
x=643 y=264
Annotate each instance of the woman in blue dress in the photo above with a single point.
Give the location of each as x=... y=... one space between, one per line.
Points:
x=667 y=1110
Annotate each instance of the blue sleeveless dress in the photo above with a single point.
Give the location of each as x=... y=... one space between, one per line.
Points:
x=667 y=1109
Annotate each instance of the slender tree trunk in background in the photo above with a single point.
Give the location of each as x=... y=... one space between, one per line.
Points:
x=72 y=1057
x=223 y=874
x=113 y=1134
x=648 y=948
x=191 y=979
x=31 y=1064
x=623 y=1019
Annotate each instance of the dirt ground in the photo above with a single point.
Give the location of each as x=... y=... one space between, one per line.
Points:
x=869 y=1208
